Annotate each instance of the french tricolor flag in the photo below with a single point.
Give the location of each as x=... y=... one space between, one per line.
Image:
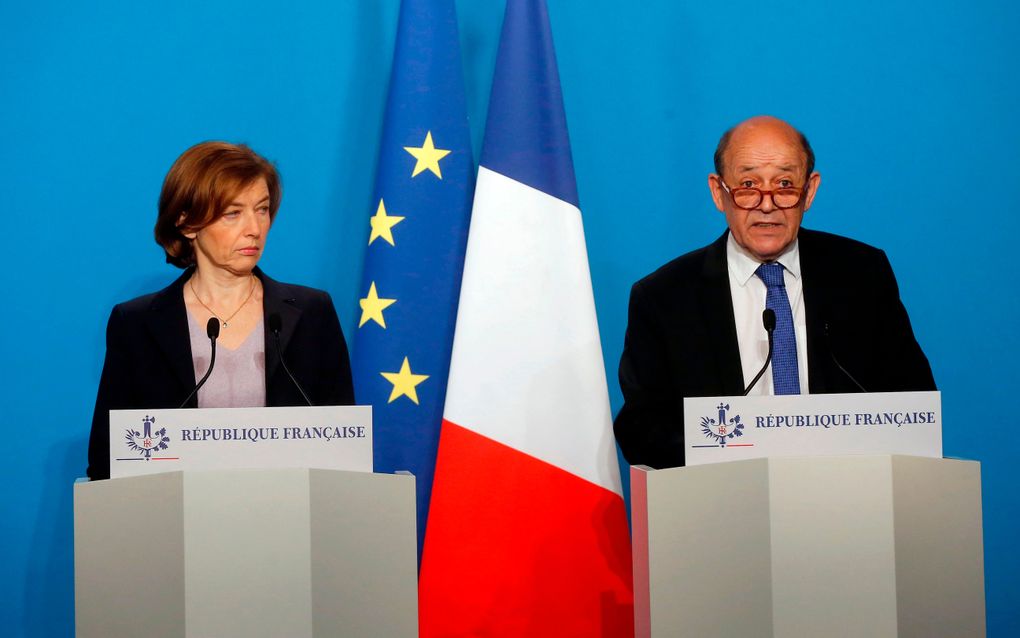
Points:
x=527 y=531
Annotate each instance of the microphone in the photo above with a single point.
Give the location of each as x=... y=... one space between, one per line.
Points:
x=768 y=320
x=212 y=329
x=832 y=353
x=275 y=325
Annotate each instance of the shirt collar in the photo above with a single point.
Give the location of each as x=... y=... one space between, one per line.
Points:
x=742 y=265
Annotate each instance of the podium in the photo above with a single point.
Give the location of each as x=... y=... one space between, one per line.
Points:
x=872 y=546
x=285 y=552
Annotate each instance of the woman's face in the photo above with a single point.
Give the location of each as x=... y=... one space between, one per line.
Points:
x=235 y=240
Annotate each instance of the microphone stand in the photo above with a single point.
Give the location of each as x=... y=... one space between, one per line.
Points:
x=768 y=319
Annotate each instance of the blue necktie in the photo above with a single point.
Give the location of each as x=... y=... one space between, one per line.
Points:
x=785 y=377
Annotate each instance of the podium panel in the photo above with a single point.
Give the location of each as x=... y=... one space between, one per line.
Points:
x=246 y=553
x=870 y=546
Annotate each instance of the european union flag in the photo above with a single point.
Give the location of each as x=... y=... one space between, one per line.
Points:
x=415 y=255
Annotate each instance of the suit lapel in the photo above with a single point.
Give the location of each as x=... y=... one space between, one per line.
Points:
x=276 y=299
x=816 y=304
x=167 y=322
x=717 y=304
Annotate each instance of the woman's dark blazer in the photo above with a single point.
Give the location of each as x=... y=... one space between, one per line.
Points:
x=149 y=364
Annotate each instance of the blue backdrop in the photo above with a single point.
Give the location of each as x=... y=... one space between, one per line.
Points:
x=912 y=113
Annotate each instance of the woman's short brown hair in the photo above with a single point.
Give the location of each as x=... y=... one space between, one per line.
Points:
x=199 y=187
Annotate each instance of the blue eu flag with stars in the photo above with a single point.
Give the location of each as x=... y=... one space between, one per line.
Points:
x=419 y=219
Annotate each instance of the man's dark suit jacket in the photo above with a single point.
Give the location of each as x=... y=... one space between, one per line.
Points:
x=682 y=338
x=149 y=364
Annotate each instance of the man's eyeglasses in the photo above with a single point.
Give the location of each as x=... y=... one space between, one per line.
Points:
x=751 y=198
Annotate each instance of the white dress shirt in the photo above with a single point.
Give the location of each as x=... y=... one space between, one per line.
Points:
x=748 y=294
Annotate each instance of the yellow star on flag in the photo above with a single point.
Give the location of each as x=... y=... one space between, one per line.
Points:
x=428 y=156
x=404 y=382
x=382 y=225
x=372 y=307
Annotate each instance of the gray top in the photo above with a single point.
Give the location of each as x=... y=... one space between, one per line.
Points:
x=239 y=378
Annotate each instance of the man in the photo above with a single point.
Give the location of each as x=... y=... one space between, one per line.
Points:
x=695 y=326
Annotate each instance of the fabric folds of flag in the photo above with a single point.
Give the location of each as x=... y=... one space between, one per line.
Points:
x=418 y=231
x=527 y=532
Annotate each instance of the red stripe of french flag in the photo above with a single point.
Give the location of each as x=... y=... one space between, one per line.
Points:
x=520 y=547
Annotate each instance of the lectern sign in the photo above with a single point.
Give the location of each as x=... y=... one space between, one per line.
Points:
x=327 y=437
x=731 y=428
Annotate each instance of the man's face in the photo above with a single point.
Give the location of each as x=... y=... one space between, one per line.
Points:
x=766 y=154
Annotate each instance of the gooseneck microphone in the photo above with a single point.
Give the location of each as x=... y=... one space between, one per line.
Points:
x=212 y=329
x=832 y=353
x=768 y=319
x=275 y=325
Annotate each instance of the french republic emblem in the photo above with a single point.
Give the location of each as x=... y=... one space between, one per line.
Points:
x=722 y=429
x=146 y=442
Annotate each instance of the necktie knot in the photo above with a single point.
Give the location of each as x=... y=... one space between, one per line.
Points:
x=771 y=274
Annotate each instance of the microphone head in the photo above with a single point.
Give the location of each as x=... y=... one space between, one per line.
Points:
x=212 y=328
x=768 y=319
x=275 y=323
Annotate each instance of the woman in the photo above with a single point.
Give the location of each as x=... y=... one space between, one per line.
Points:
x=216 y=208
